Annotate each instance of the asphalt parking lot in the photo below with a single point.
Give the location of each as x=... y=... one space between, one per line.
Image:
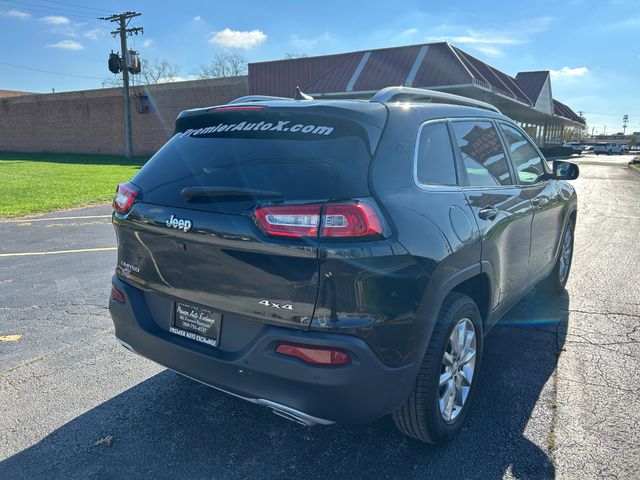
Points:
x=559 y=393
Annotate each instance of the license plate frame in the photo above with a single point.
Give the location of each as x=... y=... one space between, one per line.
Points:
x=197 y=323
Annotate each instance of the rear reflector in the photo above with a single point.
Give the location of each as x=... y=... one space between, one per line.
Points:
x=314 y=355
x=125 y=196
x=117 y=295
x=335 y=220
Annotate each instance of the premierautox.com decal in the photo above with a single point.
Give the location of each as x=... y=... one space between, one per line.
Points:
x=279 y=126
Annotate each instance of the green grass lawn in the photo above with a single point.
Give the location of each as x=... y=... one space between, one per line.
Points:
x=42 y=182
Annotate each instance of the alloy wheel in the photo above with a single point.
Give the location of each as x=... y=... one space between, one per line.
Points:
x=565 y=255
x=457 y=369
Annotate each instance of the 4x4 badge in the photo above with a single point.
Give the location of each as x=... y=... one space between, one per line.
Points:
x=179 y=223
x=268 y=303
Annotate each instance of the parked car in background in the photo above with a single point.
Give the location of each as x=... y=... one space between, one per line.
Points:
x=339 y=260
x=587 y=149
x=608 y=148
x=577 y=147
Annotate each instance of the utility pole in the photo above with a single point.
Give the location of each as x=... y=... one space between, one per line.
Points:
x=123 y=19
x=625 y=120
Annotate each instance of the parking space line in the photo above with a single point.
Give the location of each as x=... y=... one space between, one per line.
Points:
x=24 y=220
x=55 y=252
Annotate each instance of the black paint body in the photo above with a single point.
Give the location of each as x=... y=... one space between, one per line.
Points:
x=377 y=299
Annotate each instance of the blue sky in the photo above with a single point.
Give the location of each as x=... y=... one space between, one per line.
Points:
x=591 y=47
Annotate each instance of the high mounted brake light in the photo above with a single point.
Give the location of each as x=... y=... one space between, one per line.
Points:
x=238 y=109
x=335 y=220
x=126 y=194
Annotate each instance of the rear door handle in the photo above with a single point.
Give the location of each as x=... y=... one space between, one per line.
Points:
x=488 y=212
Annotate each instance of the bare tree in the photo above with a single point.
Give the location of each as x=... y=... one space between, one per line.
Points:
x=223 y=65
x=292 y=56
x=114 y=81
x=158 y=71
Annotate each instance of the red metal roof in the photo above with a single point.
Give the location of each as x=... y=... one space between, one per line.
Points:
x=386 y=67
x=427 y=65
x=531 y=83
x=281 y=77
x=563 y=110
x=440 y=67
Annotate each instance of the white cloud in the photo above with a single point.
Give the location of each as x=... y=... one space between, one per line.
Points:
x=306 y=44
x=485 y=38
x=488 y=41
x=489 y=50
x=238 y=39
x=177 y=78
x=92 y=34
x=197 y=18
x=568 y=72
x=147 y=42
x=67 y=45
x=409 y=32
x=55 y=20
x=16 y=14
x=627 y=23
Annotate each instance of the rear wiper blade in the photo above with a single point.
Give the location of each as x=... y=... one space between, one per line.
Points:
x=231 y=193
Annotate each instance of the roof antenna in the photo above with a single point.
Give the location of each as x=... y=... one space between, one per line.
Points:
x=300 y=95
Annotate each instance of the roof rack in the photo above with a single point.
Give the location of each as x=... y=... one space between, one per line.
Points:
x=256 y=98
x=387 y=94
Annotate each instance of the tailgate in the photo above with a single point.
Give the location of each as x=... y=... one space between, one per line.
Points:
x=221 y=262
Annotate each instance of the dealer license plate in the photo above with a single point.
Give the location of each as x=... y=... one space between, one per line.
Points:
x=197 y=323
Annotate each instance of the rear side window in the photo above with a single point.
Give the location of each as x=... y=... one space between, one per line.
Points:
x=435 y=164
x=482 y=154
x=525 y=158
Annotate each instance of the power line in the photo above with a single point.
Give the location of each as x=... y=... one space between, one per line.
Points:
x=49 y=71
x=78 y=6
x=45 y=10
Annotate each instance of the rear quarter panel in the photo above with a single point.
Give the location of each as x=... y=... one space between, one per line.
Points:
x=409 y=280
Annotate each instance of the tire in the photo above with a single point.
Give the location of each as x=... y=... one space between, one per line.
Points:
x=421 y=417
x=556 y=282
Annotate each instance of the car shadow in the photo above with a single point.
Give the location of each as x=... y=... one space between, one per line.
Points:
x=169 y=426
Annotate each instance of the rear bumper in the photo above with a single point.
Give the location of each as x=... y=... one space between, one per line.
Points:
x=362 y=391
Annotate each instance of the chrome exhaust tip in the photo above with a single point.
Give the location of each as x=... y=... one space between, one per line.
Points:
x=289 y=416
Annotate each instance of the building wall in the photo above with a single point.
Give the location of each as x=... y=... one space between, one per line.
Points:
x=92 y=121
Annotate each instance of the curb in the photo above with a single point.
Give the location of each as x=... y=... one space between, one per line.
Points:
x=636 y=170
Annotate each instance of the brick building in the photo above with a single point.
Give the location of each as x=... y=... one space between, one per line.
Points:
x=91 y=121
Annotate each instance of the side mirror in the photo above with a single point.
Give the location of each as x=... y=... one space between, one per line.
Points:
x=565 y=170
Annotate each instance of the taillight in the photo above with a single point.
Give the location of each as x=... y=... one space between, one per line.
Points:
x=289 y=220
x=125 y=196
x=314 y=355
x=350 y=220
x=335 y=220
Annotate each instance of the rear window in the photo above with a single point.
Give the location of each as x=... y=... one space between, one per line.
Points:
x=301 y=157
x=484 y=159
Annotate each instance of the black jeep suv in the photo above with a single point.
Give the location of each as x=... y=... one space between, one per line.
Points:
x=338 y=260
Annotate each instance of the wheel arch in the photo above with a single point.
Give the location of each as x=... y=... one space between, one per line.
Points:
x=472 y=281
